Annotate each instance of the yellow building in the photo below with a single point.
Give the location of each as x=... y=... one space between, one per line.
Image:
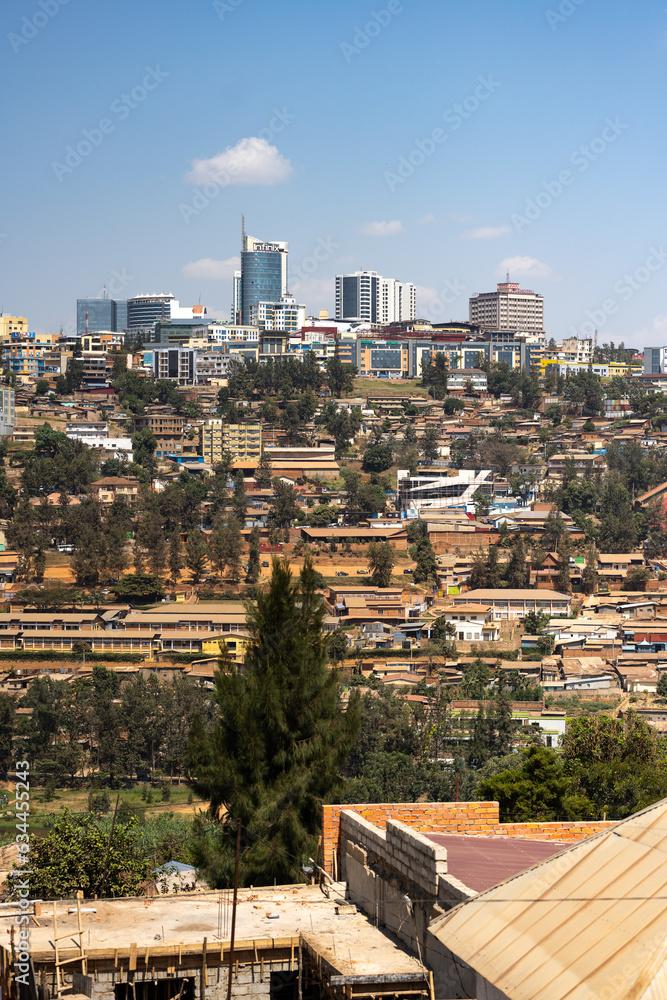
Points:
x=17 y=325
x=235 y=643
x=619 y=368
x=244 y=441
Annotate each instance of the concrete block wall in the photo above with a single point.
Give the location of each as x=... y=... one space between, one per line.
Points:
x=251 y=981
x=399 y=847
x=422 y=817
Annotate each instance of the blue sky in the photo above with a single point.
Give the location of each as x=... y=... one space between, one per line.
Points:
x=437 y=142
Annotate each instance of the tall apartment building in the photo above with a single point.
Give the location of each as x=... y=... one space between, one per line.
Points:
x=263 y=276
x=175 y=362
x=367 y=297
x=7 y=415
x=655 y=360
x=102 y=314
x=243 y=441
x=508 y=308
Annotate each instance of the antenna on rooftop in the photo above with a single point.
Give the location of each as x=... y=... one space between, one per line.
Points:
x=242 y=231
x=507 y=275
x=104 y=293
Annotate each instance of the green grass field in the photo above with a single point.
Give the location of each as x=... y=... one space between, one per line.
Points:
x=389 y=387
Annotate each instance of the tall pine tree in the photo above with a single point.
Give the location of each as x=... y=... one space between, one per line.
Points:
x=275 y=754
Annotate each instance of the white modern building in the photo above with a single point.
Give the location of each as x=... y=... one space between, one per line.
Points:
x=285 y=314
x=367 y=297
x=143 y=311
x=508 y=308
x=418 y=495
x=7 y=412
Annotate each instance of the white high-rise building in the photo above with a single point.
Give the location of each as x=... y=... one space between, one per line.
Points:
x=508 y=308
x=367 y=297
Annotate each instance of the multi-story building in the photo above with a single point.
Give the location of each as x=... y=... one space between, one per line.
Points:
x=103 y=340
x=429 y=492
x=7 y=414
x=243 y=441
x=166 y=428
x=11 y=326
x=263 y=276
x=655 y=360
x=172 y=361
x=98 y=314
x=144 y=311
x=508 y=308
x=367 y=297
x=287 y=314
x=573 y=349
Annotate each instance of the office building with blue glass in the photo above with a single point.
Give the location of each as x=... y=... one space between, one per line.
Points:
x=103 y=314
x=263 y=275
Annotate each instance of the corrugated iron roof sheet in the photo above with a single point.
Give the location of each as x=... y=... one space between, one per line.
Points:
x=590 y=922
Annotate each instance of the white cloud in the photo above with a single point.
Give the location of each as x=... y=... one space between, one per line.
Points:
x=425 y=220
x=218 y=270
x=487 y=233
x=392 y=228
x=250 y=161
x=524 y=267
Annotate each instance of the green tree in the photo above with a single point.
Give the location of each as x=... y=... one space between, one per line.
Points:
x=275 y=754
x=619 y=764
x=144 y=445
x=430 y=444
x=72 y=856
x=252 y=575
x=534 y=622
x=140 y=588
x=554 y=414
x=263 y=472
x=540 y=790
x=515 y=573
x=339 y=377
x=175 y=556
x=435 y=374
x=381 y=557
x=196 y=554
x=377 y=458
x=338 y=646
x=239 y=500
x=284 y=508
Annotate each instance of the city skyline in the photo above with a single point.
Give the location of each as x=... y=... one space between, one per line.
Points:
x=535 y=148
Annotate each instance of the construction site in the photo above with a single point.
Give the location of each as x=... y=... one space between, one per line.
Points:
x=301 y=941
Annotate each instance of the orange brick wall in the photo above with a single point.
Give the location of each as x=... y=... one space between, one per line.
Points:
x=569 y=832
x=424 y=817
x=475 y=818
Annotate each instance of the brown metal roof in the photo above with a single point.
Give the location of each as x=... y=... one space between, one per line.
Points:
x=590 y=922
x=481 y=862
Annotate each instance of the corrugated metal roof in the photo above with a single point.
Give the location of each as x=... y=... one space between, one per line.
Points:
x=590 y=922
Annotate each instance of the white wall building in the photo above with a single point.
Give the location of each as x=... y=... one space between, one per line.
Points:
x=366 y=296
x=417 y=495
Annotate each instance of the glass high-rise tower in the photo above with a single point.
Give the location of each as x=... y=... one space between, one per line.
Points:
x=103 y=314
x=263 y=274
